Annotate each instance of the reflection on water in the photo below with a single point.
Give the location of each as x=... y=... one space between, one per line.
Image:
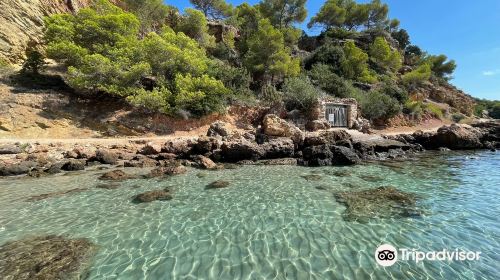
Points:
x=270 y=222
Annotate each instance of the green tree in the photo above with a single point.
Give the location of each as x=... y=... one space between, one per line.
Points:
x=246 y=18
x=355 y=66
x=331 y=14
x=151 y=13
x=283 y=13
x=328 y=54
x=214 y=9
x=195 y=25
x=402 y=37
x=268 y=57
x=416 y=77
x=441 y=66
x=382 y=55
x=377 y=14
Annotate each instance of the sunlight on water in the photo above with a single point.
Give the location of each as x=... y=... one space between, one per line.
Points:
x=271 y=223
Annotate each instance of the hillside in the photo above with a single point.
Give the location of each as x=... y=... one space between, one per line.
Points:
x=179 y=70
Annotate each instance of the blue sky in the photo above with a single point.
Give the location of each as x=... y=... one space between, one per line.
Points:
x=467 y=31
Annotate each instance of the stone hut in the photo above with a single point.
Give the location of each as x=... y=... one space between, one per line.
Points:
x=339 y=112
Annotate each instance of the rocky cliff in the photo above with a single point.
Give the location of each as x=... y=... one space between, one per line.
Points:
x=21 y=23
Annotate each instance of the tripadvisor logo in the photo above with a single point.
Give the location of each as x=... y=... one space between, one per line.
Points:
x=387 y=255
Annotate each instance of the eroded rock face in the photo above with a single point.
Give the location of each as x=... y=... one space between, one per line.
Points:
x=276 y=126
x=379 y=202
x=46 y=257
x=206 y=163
x=21 y=23
x=219 y=129
x=242 y=149
x=154 y=195
x=458 y=137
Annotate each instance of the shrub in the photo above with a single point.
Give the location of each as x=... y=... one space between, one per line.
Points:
x=323 y=77
x=330 y=55
x=377 y=105
x=34 y=63
x=355 y=65
x=270 y=95
x=382 y=55
x=200 y=95
x=237 y=79
x=416 y=77
x=434 y=110
x=457 y=117
x=299 y=93
x=391 y=89
x=158 y=99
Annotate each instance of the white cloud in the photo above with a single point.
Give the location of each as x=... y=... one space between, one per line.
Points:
x=491 y=72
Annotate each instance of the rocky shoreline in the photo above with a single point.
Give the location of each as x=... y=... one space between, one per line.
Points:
x=275 y=142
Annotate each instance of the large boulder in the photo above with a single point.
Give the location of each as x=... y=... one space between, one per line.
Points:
x=181 y=147
x=326 y=155
x=343 y=156
x=206 y=145
x=329 y=137
x=10 y=149
x=458 y=137
x=206 y=163
x=281 y=147
x=219 y=129
x=150 y=149
x=241 y=149
x=73 y=165
x=14 y=169
x=316 y=125
x=275 y=126
x=106 y=156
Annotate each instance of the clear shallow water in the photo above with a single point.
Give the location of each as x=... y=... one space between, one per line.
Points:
x=270 y=223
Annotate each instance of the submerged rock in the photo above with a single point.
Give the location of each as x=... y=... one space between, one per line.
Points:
x=218 y=185
x=150 y=196
x=73 y=165
x=116 y=175
x=110 y=186
x=167 y=171
x=54 y=194
x=371 y=178
x=379 y=202
x=206 y=163
x=46 y=257
x=312 y=177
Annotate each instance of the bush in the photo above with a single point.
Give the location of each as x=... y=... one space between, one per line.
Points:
x=237 y=79
x=330 y=55
x=378 y=106
x=382 y=55
x=355 y=65
x=323 y=77
x=457 y=117
x=299 y=93
x=200 y=95
x=434 y=110
x=158 y=99
x=34 y=63
x=270 y=95
x=417 y=76
x=391 y=89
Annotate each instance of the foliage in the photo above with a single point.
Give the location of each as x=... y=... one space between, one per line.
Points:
x=394 y=91
x=492 y=106
x=416 y=77
x=440 y=65
x=378 y=106
x=158 y=99
x=342 y=14
x=382 y=55
x=268 y=56
x=330 y=55
x=323 y=76
x=215 y=9
x=195 y=25
x=355 y=65
x=270 y=95
x=199 y=95
x=299 y=93
x=377 y=14
x=417 y=108
x=457 y=117
x=402 y=37
x=151 y=13
x=283 y=13
x=237 y=79
x=246 y=18
x=34 y=63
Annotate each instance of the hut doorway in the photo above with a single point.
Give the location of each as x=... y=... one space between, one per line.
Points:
x=336 y=114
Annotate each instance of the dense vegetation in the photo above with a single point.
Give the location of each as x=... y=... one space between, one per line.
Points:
x=163 y=60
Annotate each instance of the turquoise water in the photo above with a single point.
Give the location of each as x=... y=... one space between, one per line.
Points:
x=270 y=223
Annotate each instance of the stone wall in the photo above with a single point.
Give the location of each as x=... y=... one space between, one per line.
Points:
x=352 y=108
